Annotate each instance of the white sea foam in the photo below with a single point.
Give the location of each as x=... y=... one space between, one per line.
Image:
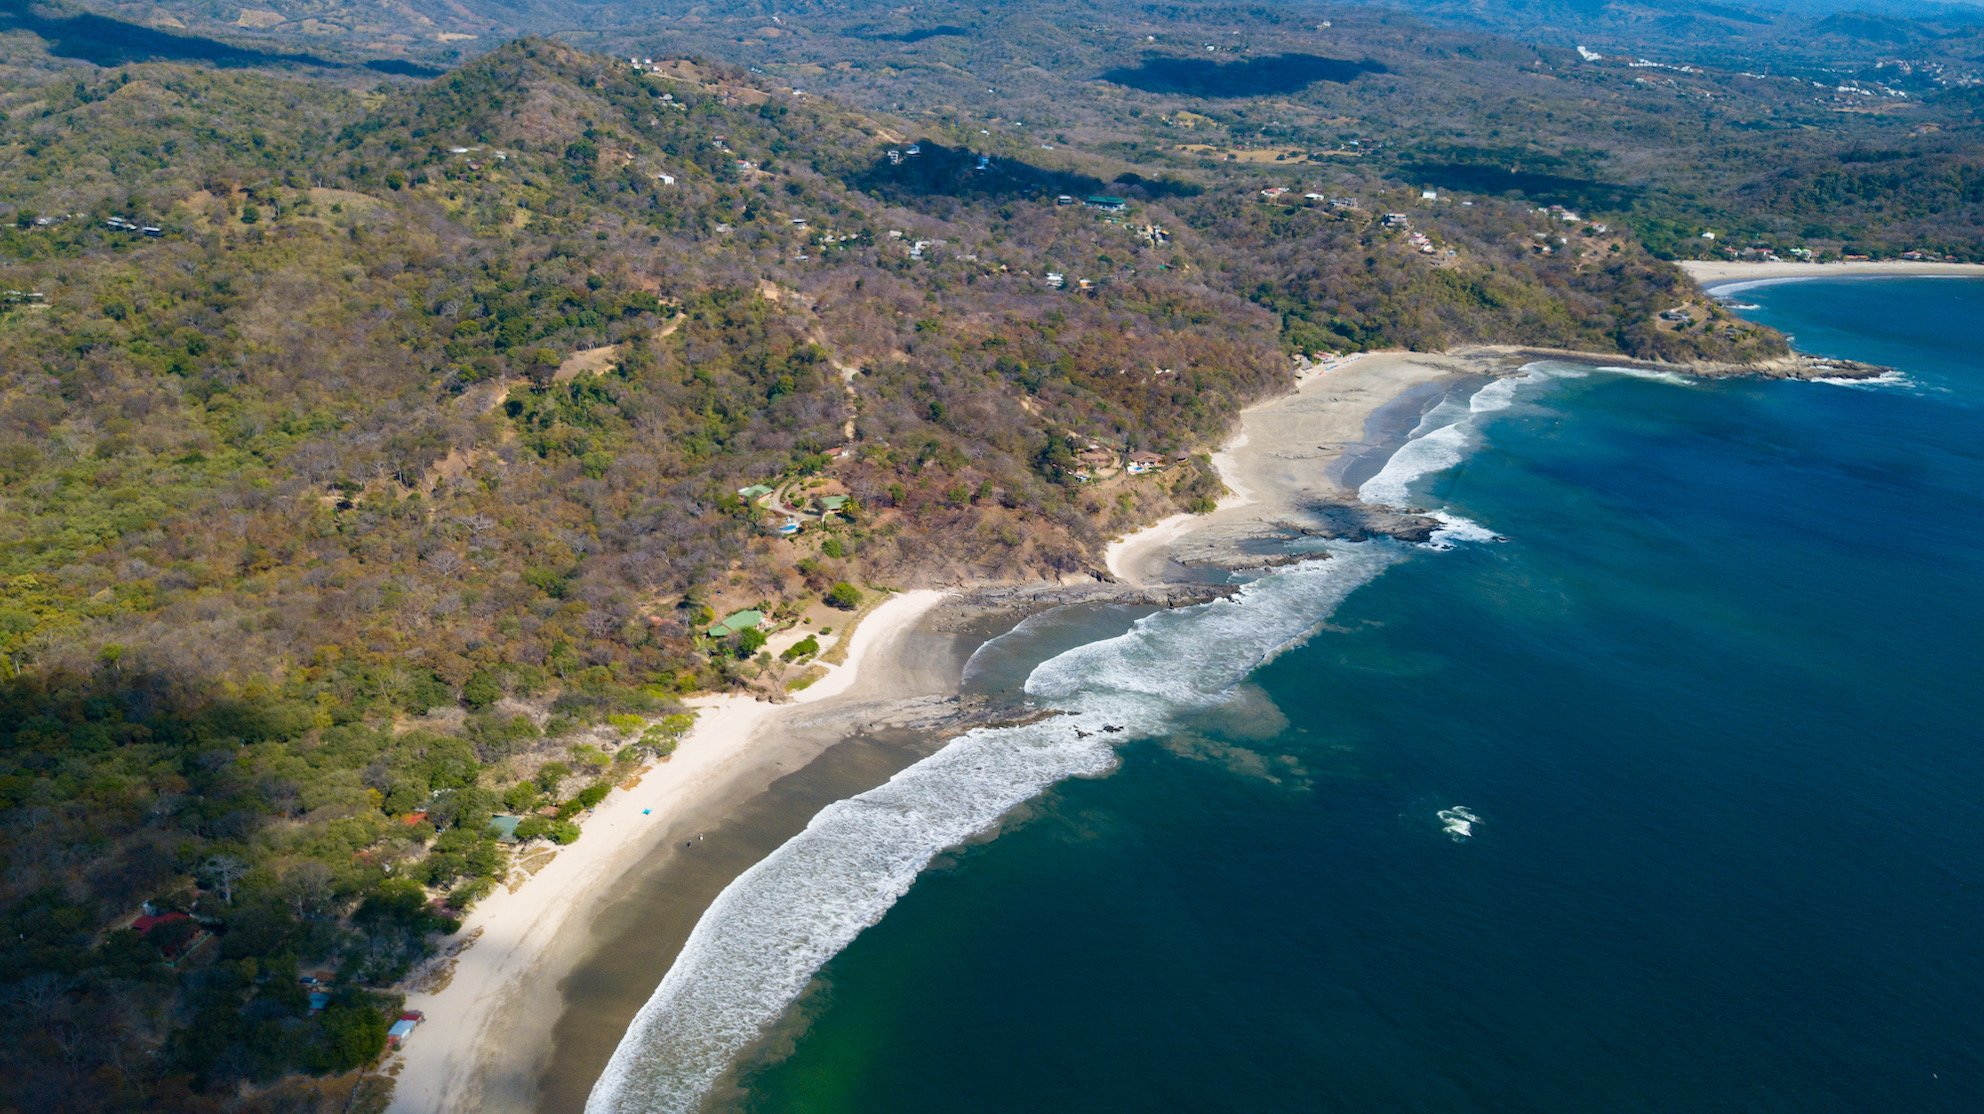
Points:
x=1446 y=434
x=1869 y=383
x=1722 y=290
x=763 y=939
x=1457 y=530
x=1655 y=375
x=1458 y=822
x=1424 y=455
x=760 y=943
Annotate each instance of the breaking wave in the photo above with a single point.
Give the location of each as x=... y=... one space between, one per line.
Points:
x=1445 y=435
x=760 y=943
x=1870 y=382
x=1653 y=374
x=1458 y=823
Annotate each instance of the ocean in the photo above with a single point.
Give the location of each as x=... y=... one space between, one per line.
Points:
x=1654 y=782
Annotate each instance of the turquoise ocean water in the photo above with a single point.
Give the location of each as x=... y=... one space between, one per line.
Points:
x=1668 y=797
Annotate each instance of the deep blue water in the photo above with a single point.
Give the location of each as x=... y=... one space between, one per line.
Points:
x=1715 y=702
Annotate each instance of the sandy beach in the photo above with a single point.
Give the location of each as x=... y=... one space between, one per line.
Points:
x=1714 y=273
x=489 y=1025
x=1284 y=467
x=550 y=966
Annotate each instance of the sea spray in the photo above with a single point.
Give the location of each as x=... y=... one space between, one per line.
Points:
x=760 y=943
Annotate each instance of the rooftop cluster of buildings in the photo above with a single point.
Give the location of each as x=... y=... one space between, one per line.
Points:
x=1094 y=460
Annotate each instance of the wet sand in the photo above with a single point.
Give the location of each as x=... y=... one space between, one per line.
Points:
x=828 y=752
x=540 y=1034
x=631 y=940
x=1292 y=467
x=490 y=1005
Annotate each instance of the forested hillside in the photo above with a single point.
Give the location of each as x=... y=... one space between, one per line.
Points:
x=1838 y=129
x=370 y=460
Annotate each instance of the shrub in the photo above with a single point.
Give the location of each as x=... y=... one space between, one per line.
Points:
x=844 y=596
x=482 y=689
x=550 y=774
x=349 y=1036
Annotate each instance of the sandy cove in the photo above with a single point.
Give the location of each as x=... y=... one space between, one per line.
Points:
x=1283 y=466
x=489 y=1037
x=1710 y=274
x=494 y=1013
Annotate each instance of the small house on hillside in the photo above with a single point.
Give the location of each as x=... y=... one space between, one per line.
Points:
x=1141 y=463
x=144 y=925
x=754 y=493
x=735 y=623
x=1106 y=203
x=176 y=934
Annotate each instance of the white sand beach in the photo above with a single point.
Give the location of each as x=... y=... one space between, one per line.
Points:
x=489 y=1027
x=1280 y=453
x=1713 y=273
x=519 y=943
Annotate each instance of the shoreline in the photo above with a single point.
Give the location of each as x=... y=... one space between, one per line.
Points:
x=1712 y=275
x=516 y=945
x=519 y=1024
x=1280 y=468
x=510 y=1029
